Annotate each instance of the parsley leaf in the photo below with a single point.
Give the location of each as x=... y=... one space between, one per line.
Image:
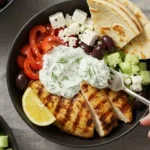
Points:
x=62 y=61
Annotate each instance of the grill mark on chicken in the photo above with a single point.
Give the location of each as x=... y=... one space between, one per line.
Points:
x=89 y=122
x=76 y=122
x=48 y=99
x=85 y=87
x=59 y=106
x=69 y=110
x=92 y=96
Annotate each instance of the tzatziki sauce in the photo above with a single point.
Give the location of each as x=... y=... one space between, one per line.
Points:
x=64 y=68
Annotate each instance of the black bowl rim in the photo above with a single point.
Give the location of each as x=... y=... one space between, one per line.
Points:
x=6 y=6
x=11 y=95
x=6 y=126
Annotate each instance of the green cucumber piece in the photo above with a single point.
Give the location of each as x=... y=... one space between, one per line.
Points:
x=143 y=66
x=135 y=69
x=106 y=60
x=145 y=77
x=3 y=141
x=125 y=67
x=1 y=148
x=122 y=54
x=131 y=58
x=114 y=59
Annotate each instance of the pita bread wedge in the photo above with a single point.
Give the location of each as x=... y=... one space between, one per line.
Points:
x=112 y=21
x=140 y=45
x=136 y=11
x=127 y=11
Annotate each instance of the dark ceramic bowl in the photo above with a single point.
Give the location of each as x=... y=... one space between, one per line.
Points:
x=52 y=133
x=7 y=131
x=6 y=5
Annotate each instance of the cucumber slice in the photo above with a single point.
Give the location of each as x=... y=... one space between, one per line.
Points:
x=143 y=66
x=135 y=69
x=105 y=59
x=125 y=67
x=1 y=148
x=122 y=54
x=3 y=141
x=114 y=59
x=131 y=58
x=145 y=77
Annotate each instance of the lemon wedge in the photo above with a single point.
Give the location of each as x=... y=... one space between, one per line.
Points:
x=35 y=110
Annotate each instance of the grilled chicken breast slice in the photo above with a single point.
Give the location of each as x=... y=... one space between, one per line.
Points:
x=101 y=110
x=121 y=106
x=72 y=116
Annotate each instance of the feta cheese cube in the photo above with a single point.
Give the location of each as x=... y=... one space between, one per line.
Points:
x=89 y=23
x=68 y=20
x=73 y=29
x=89 y=37
x=57 y=20
x=72 y=41
x=79 y=16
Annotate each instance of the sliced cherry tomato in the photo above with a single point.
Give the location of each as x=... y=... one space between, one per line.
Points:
x=20 y=61
x=39 y=63
x=33 y=40
x=29 y=72
x=31 y=59
x=50 y=42
x=25 y=49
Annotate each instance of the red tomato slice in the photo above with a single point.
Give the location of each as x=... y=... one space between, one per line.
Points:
x=20 y=61
x=25 y=49
x=33 y=39
x=29 y=72
x=39 y=63
x=31 y=60
x=50 y=42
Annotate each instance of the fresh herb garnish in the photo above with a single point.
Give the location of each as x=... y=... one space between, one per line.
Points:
x=60 y=84
x=77 y=61
x=54 y=76
x=62 y=61
x=89 y=72
x=65 y=78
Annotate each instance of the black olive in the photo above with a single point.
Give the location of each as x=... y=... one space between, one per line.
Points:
x=98 y=51
x=86 y=48
x=22 y=81
x=109 y=43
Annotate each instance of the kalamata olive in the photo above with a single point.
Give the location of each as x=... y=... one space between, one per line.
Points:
x=2 y=2
x=86 y=48
x=109 y=43
x=98 y=51
x=137 y=104
x=22 y=81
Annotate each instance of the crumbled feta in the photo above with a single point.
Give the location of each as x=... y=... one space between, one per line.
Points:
x=79 y=16
x=128 y=81
x=89 y=23
x=57 y=20
x=89 y=37
x=82 y=28
x=136 y=79
x=68 y=20
x=72 y=41
x=73 y=29
x=136 y=83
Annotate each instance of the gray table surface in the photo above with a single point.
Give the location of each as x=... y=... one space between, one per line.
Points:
x=26 y=138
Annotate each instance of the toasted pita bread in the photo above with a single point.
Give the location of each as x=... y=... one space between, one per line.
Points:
x=111 y=20
x=141 y=44
x=136 y=11
x=127 y=11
